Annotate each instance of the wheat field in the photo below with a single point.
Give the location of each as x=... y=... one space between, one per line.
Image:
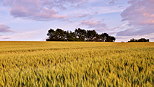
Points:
x=76 y=64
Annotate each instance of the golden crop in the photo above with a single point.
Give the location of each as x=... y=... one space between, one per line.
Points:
x=76 y=64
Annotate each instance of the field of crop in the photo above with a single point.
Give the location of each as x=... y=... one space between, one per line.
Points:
x=76 y=64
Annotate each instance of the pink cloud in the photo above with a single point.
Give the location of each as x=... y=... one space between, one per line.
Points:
x=4 y=28
x=140 y=16
x=94 y=24
x=40 y=9
x=52 y=9
x=138 y=11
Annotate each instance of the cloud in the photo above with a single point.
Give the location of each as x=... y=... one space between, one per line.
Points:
x=22 y=36
x=94 y=24
x=137 y=31
x=106 y=9
x=102 y=27
x=112 y=1
x=4 y=28
x=44 y=10
x=140 y=16
x=4 y=37
x=39 y=9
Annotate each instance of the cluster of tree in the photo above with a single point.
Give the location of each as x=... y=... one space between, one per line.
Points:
x=139 y=40
x=78 y=35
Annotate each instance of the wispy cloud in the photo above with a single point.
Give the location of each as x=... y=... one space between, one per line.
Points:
x=39 y=9
x=140 y=16
x=4 y=28
x=94 y=24
x=21 y=36
x=56 y=9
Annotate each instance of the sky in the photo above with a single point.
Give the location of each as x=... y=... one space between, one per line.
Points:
x=30 y=20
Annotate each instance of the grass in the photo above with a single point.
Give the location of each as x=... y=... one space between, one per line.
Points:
x=76 y=64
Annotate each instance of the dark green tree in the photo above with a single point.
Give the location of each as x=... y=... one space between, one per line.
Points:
x=143 y=40
x=104 y=37
x=70 y=36
x=78 y=35
x=91 y=35
x=110 y=39
x=139 y=40
x=52 y=35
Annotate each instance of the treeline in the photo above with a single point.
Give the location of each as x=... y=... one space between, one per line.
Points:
x=78 y=35
x=139 y=40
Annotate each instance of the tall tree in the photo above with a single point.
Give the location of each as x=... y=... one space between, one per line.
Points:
x=81 y=34
x=70 y=36
x=51 y=34
x=104 y=37
x=110 y=39
x=91 y=35
x=60 y=35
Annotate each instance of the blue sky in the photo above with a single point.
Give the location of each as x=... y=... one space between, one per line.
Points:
x=29 y=20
